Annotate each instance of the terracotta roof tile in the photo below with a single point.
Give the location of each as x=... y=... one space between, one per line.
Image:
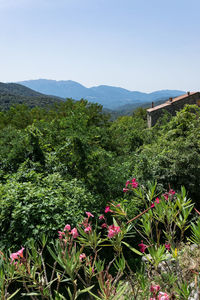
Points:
x=168 y=102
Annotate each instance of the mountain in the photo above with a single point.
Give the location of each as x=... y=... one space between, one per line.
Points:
x=13 y=93
x=109 y=96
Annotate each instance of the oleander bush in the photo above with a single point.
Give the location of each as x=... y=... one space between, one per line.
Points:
x=77 y=267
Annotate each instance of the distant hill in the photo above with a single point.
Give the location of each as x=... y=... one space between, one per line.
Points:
x=13 y=93
x=109 y=96
x=128 y=109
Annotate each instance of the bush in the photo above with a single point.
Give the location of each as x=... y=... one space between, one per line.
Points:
x=40 y=205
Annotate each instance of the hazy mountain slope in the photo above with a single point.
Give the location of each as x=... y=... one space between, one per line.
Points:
x=108 y=96
x=128 y=109
x=12 y=93
x=57 y=88
x=18 y=89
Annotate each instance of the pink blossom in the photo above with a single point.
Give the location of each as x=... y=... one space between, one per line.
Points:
x=142 y=247
x=107 y=209
x=74 y=233
x=153 y=298
x=13 y=256
x=116 y=229
x=163 y=296
x=127 y=183
x=61 y=233
x=88 y=229
x=113 y=230
x=167 y=246
x=20 y=252
x=104 y=225
x=111 y=233
x=156 y=201
x=17 y=254
x=118 y=205
x=166 y=196
x=125 y=190
x=82 y=256
x=172 y=192
x=67 y=227
x=101 y=217
x=89 y=214
x=134 y=183
x=154 y=288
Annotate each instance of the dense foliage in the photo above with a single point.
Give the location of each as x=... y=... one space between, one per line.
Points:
x=59 y=162
x=55 y=161
x=79 y=265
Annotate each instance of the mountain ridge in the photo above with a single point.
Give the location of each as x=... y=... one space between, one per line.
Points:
x=110 y=97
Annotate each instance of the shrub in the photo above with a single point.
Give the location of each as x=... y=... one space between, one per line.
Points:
x=40 y=205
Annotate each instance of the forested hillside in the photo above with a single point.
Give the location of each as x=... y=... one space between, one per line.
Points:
x=58 y=163
x=13 y=94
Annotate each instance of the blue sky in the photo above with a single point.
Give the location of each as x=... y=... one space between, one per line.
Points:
x=143 y=45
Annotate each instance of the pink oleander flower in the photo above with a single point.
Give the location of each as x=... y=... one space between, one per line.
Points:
x=156 y=201
x=111 y=233
x=134 y=183
x=82 y=256
x=107 y=209
x=13 y=256
x=167 y=246
x=17 y=254
x=118 y=205
x=113 y=230
x=142 y=247
x=74 y=233
x=166 y=196
x=172 y=192
x=101 y=217
x=20 y=252
x=127 y=183
x=89 y=214
x=88 y=229
x=154 y=288
x=104 y=225
x=125 y=190
x=61 y=233
x=163 y=296
x=67 y=227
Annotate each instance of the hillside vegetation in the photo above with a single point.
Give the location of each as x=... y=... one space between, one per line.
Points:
x=62 y=164
x=13 y=94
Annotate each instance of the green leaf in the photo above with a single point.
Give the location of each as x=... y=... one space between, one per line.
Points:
x=84 y=290
x=10 y=297
x=132 y=249
x=61 y=297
